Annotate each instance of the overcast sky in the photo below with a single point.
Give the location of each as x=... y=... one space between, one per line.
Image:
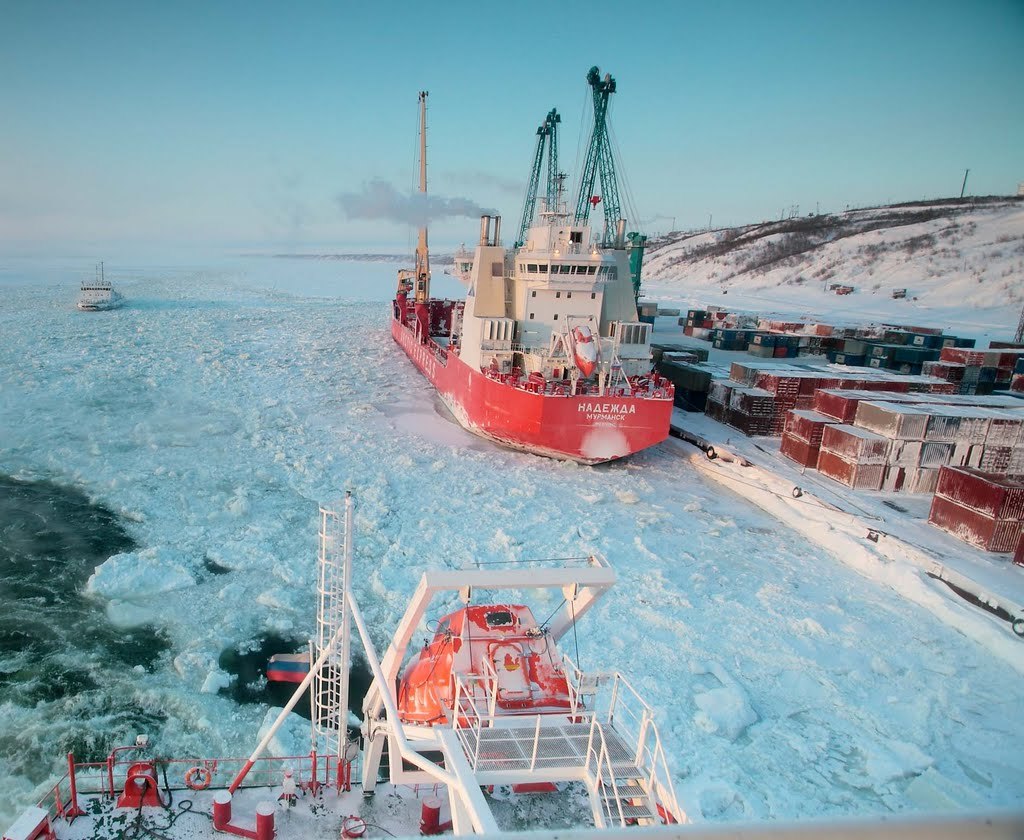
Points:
x=245 y=123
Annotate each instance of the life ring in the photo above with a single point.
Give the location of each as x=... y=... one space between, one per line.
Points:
x=559 y=391
x=198 y=778
x=353 y=826
x=658 y=394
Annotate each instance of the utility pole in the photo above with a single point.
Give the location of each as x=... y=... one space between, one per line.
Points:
x=964 y=185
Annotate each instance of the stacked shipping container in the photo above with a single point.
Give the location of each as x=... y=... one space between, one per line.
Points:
x=982 y=509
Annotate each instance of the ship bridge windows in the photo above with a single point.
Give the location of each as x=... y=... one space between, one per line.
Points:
x=531 y=268
x=576 y=236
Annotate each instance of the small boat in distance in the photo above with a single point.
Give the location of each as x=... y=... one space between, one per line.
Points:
x=97 y=294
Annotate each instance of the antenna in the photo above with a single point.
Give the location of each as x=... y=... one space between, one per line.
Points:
x=964 y=185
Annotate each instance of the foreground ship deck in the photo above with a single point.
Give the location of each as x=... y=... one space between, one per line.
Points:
x=510 y=714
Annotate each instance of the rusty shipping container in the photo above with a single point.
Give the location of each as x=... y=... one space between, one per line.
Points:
x=799 y=450
x=967 y=524
x=991 y=495
x=852 y=474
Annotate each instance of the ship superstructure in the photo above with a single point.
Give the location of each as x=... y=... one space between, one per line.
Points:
x=98 y=294
x=547 y=353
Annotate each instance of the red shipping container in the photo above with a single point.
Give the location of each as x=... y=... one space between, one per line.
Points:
x=842 y=405
x=857 y=476
x=804 y=453
x=991 y=495
x=963 y=355
x=809 y=426
x=973 y=527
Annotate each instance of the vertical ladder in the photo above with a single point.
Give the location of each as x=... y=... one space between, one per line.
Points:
x=330 y=685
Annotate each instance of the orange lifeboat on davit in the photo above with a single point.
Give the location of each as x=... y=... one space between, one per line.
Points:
x=584 y=349
x=499 y=652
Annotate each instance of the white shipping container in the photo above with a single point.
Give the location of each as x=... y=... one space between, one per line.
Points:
x=1016 y=461
x=936 y=454
x=905 y=453
x=1005 y=427
x=967 y=454
x=892 y=420
x=923 y=481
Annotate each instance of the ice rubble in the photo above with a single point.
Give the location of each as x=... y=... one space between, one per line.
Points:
x=220 y=407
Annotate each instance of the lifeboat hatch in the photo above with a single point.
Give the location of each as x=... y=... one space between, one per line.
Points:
x=499 y=618
x=509 y=669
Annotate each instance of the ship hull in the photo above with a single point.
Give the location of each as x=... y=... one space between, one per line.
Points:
x=587 y=428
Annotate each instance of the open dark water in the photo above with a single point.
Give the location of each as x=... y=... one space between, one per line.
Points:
x=58 y=653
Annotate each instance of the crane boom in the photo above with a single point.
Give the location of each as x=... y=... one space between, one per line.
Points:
x=422 y=289
x=599 y=158
x=530 y=203
x=554 y=176
x=547 y=134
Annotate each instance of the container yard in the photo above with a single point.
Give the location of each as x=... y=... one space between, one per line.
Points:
x=916 y=433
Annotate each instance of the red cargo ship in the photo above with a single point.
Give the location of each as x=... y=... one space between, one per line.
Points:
x=546 y=354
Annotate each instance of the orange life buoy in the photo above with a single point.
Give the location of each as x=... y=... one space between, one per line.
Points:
x=658 y=394
x=198 y=778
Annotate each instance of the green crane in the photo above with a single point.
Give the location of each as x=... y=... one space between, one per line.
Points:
x=548 y=131
x=599 y=159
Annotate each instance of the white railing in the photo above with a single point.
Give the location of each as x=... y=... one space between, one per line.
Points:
x=621 y=708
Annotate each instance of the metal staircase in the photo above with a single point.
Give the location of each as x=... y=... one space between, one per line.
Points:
x=607 y=740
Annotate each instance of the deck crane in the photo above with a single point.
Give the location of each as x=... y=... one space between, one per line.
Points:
x=547 y=133
x=600 y=159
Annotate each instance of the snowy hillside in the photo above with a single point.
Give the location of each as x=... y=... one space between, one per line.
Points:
x=950 y=256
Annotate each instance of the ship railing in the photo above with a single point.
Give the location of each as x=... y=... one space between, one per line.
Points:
x=615 y=703
x=107 y=778
x=467 y=719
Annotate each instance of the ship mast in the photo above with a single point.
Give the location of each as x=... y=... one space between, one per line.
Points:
x=422 y=255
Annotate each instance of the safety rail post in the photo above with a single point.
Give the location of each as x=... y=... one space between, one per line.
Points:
x=641 y=741
x=536 y=744
x=72 y=810
x=615 y=698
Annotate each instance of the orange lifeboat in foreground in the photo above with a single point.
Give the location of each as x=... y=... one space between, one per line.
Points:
x=499 y=651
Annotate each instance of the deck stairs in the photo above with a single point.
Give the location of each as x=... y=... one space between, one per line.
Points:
x=611 y=746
